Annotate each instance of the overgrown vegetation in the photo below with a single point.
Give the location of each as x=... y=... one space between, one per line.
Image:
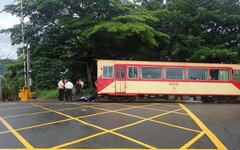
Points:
x=47 y=94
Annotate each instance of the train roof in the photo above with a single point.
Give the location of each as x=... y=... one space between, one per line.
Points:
x=237 y=66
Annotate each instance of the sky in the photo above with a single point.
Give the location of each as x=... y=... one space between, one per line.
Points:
x=7 y=21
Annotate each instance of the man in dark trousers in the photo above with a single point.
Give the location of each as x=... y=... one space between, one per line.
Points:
x=60 y=90
x=78 y=89
x=69 y=88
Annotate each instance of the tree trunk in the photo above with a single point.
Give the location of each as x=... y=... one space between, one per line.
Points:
x=89 y=74
x=90 y=67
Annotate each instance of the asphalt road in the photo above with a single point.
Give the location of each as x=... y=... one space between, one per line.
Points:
x=88 y=125
x=222 y=119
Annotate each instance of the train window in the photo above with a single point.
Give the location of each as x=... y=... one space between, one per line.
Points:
x=123 y=72
x=118 y=72
x=236 y=75
x=151 y=73
x=197 y=74
x=132 y=72
x=219 y=74
x=174 y=73
x=107 y=72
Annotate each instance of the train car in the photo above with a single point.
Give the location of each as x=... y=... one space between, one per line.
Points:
x=170 y=80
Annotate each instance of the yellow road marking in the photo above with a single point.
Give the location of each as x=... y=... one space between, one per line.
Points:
x=49 y=123
x=214 y=139
x=40 y=112
x=44 y=124
x=164 y=111
x=102 y=149
x=26 y=114
x=192 y=141
x=145 y=119
x=172 y=125
x=79 y=140
x=21 y=139
x=16 y=108
x=6 y=104
x=175 y=126
x=111 y=131
x=98 y=127
x=171 y=105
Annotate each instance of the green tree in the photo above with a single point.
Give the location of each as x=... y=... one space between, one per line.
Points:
x=201 y=24
x=194 y=25
x=66 y=32
x=13 y=78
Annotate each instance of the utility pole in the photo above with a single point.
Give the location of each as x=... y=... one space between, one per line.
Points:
x=1 y=98
x=23 y=46
x=25 y=93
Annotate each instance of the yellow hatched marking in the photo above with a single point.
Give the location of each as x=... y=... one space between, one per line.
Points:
x=175 y=126
x=111 y=131
x=79 y=140
x=27 y=114
x=44 y=124
x=35 y=126
x=164 y=111
x=146 y=119
x=21 y=139
x=98 y=127
x=161 y=104
x=16 y=108
x=102 y=149
x=150 y=119
x=192 y=141
x=214 y=139
x=49 y=123
x=104 y=109
x=6 y=104
x=40 y=112
x=171 y=105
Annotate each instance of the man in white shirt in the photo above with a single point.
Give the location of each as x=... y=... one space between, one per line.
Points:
x=69 y=88
x=82 y=85
x=60 y=90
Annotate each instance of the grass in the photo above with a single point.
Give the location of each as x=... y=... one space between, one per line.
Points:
x=53 y=94
x=46 y=94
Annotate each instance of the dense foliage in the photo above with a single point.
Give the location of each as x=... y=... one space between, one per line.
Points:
x=66 y=36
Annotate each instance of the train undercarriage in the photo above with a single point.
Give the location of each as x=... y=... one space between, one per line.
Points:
x=172 y=98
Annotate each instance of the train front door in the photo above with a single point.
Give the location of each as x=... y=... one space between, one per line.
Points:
x=120 y=79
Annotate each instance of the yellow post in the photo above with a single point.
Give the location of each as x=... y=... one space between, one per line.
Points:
x=25 y=94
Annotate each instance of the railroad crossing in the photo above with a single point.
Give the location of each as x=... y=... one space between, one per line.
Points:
x=60 y=125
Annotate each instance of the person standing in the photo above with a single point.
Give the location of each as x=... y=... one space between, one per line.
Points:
x=82 y=85
x=69 y=88
x=60 y=90
x=64 y=89
x=78 y=89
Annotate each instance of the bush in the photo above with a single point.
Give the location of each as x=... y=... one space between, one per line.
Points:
x=47 y=94
x=88 y=91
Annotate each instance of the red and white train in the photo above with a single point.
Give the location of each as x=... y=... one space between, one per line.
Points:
x=171 y=80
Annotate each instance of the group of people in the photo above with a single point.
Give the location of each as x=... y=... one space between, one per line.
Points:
x=66 y=87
